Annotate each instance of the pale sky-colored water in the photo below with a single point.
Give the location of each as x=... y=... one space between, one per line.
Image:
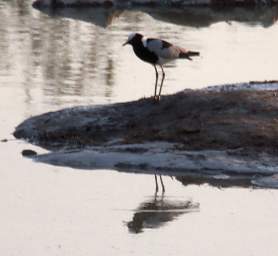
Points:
x=67 y=58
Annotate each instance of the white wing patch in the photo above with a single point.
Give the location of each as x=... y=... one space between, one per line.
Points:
x=155 y=45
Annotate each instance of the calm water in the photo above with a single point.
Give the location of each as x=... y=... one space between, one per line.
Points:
x=51 y=60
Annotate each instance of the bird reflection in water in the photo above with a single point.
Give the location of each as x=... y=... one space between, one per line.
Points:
x=157 y=211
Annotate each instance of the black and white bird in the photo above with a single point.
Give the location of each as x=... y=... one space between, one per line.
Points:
x=157 y=52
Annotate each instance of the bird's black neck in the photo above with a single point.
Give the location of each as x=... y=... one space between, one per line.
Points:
x=143 y=53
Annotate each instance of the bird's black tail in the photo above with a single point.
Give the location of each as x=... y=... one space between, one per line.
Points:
x=189 y=54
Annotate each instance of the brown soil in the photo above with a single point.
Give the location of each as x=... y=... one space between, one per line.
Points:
x=197 y=119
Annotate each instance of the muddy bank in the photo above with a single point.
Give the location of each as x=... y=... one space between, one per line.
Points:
x=225 y=135
x=212 y=119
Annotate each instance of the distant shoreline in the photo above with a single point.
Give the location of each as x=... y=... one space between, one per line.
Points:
x=154 y=3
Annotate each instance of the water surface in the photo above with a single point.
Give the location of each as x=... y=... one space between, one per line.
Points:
x=56 y=59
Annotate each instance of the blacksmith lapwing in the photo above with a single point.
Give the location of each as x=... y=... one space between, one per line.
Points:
x=157 y=52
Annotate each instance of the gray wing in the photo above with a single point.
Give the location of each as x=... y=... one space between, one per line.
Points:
x=163 y=49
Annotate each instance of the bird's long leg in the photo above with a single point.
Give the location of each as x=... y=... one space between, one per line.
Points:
x=163 y=76
x=156 y=79
x=156 y=185
x=161 y=181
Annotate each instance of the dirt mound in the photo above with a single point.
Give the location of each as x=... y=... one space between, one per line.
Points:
x=197 y=120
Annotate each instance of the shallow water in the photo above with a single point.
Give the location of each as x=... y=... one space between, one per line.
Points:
x=51 y=60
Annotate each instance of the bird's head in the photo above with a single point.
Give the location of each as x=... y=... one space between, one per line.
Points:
x=133 y=38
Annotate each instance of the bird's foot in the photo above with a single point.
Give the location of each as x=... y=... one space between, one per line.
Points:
x=156 y=99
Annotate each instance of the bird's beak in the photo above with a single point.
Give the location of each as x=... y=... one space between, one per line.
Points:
x=125 y=43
